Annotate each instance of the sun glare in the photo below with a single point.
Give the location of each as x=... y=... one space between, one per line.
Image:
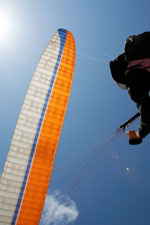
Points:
x=6 y=26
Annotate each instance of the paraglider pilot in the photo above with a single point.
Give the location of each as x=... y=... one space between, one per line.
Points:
x=131 y=71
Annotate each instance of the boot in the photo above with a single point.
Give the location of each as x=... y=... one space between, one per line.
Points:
x=134 y=137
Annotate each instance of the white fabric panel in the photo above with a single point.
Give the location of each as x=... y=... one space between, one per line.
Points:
x=38 y=89
x=31 y=119
x=25 y=128
x=37 y=94
x=24 y=134
x=43 y=86
x=10 y=188
x=12 y=165
x=13 y=183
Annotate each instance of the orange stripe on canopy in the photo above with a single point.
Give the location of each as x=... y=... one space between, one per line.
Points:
x=42 y=164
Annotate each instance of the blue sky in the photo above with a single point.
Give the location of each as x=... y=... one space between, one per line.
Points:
x=110 y=195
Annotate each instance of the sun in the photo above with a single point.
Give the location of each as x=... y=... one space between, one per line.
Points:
x=6 y=26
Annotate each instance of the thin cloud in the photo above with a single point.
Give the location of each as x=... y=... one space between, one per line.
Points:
x=59 y=210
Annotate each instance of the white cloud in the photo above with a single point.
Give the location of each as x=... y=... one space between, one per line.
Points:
x=59 y=210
